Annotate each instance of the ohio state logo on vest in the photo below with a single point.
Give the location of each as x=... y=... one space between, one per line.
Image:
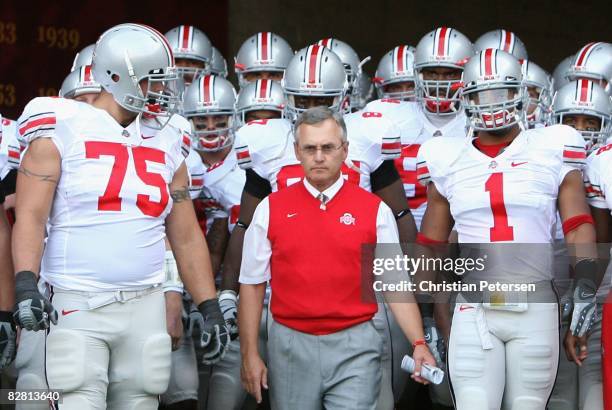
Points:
x=347 y=219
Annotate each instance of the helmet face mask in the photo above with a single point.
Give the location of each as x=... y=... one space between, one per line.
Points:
x=439 y=96
x=212 y=132
x=494 y=108
x=158 y=95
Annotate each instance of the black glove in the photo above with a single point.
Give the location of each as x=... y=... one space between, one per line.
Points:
x=33 y=311
x=209 y=330
x=7 y=339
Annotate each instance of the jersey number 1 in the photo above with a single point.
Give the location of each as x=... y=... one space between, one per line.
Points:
x=500 y=231
x=110 y=200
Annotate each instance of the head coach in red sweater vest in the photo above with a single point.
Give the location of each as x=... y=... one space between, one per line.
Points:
x=323 y=350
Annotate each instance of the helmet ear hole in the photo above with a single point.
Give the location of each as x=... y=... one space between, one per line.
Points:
x=115 y=77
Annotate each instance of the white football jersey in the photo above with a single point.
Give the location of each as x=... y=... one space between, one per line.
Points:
x=225 y=181
x=207 y=207
x=10 y=147
x=598 y=178
x=106 y=228
x=511 y=198
x=266 y=146
x=415 y=128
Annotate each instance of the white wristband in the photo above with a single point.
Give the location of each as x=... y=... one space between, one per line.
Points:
x=173 y=281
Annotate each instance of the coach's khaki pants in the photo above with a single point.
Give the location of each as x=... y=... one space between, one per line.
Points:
x=115 y=356
x=341 y=370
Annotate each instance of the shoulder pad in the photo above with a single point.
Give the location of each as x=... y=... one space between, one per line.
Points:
x=561 y=140
x=436 y=155
x=369 y=130
x=261 y=140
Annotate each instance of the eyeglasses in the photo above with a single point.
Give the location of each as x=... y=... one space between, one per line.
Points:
x=326 y=149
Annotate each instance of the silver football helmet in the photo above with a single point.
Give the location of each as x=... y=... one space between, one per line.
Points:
x=494 y=94
x=593 y=61
x=192 y=44
x=79 y=82
x=134 y=63
x=315 y=71
x=502 y=40
x=352 y=64
x=218 y=65
x=443 y=47
x=539 y=88
x=260 y=95
x=83 y=57
x=397 y=66
x=264 y=51
x=585 y=97
x=561 y=71
x=210 y=96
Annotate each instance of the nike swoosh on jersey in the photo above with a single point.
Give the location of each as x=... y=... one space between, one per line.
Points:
x=146 y=138
x=516 y=164
x=291 y=215
x=464 y=307
x=67 y=312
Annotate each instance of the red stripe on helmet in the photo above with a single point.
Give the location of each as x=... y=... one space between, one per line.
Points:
x=87 y=73
x=264 y=46
x=263 y=90
x=206 y=90
x=400 y=58
x=489 y=62
x=185 y=39
x=442 y=40
x=582 y=54
x=312 y=63
x=584 y=90
x=508 y=40
x=326 y=42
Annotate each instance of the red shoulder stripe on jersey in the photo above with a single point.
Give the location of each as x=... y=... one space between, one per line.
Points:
x=243 y=154
x=36 y=123
x=13 y=154
x=198 y=182
x=393 y=145
x=568 y=153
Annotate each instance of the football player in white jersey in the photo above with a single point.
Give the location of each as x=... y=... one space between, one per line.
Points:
x=504 y=186
x=539 y=86
x=316 y=76
x=192 y=51
x=264 y=55
x=30 y=360
x=109 y=182
x=585 y=106
x=598 y=182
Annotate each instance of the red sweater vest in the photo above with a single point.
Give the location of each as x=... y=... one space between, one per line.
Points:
x=316 y=258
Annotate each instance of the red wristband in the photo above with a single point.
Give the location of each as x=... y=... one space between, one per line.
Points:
x=575 y=221
x=418 y=342
x=424 y=240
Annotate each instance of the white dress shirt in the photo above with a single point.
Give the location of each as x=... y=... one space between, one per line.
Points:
x=257 y=250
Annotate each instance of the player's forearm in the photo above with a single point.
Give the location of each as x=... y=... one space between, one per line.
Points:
x=7 y=279
x=217 y=239
x=232 y=261
x=28 y=242
x=249 y=317
x=193 y=262
x=408 y=318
